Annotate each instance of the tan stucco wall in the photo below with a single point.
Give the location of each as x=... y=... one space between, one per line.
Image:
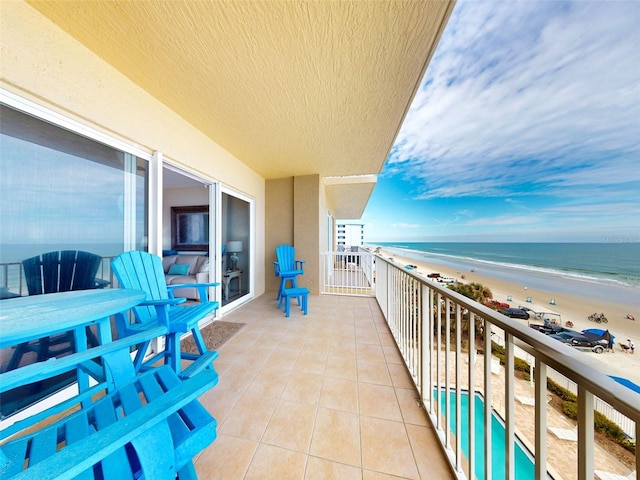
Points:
x=279 y=222
x=306 y=231
x=324 y=209
x=41 y=63
x=297 y=209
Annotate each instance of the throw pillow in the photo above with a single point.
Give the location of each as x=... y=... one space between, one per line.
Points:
x=205 y=266
x=179 y=269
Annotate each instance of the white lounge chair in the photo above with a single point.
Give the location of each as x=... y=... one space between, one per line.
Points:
x=526 y=400
x=495 y=366
x=569 y=434
x=530 y=400
x=602 y=475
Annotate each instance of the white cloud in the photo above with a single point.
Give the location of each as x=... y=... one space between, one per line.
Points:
x=541 y=94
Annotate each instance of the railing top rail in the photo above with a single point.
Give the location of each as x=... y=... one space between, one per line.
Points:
x=558 y=356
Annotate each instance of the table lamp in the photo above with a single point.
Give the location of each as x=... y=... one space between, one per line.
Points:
x=234 y=247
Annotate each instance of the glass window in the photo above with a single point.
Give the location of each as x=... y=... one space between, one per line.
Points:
x=62 y=191
x=236 y=237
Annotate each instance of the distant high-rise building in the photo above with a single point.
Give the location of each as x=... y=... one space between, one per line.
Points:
x=350 y=234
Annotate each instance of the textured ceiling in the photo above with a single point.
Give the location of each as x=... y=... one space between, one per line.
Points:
x=288 y=87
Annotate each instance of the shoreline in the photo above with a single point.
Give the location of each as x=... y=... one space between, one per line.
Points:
x=569 y=306
x=545 y=279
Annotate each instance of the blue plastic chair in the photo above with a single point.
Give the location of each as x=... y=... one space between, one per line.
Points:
x=144 y=271
x=127 y=426
x=287 y=268
x=62 y=272
x=53 y=272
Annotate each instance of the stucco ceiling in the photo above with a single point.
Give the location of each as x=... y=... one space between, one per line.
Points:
x=288 y=87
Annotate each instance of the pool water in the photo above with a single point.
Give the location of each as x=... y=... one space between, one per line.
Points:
x=524 y=462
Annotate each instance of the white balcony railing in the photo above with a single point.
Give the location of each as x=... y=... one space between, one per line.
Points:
x=444 y=339
x=348 y=273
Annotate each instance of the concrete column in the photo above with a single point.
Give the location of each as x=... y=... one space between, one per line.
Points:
x=306 y=229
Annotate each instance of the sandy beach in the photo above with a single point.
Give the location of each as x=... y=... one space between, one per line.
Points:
x=572 y=308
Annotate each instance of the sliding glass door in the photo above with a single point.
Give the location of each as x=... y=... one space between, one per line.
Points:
x=61 y=191
x=236 y=236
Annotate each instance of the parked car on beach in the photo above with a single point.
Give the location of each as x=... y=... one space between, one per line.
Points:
x=446 y=280
x=581 y=340
x=496 y=305
x=548 y=328
x=515 y=313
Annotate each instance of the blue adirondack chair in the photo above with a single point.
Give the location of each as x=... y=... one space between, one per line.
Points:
x=127 y=426
x=62 y=272
x=53 y=272
x=144 y=271
x=287 y=267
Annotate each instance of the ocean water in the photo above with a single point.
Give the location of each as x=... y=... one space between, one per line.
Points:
x=610 y=271
x=11 y=252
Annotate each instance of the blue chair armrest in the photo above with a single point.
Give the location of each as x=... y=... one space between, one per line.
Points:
x=276 y=269
x=192 y=285
x=202 y=289
x=162 y=307
x=162 y=302
x=300 y=264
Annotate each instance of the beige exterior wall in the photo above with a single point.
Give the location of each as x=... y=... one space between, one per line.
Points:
x=297 y=210
x=279 y=225
x=326 y=209
x=306 y=231
x=41 y=63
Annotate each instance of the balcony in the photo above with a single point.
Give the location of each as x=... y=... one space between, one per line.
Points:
x=344 y=393
x=434 y=329
x=322 y=396
x=365 y=387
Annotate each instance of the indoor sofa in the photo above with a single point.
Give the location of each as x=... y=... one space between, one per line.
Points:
x=186 y=268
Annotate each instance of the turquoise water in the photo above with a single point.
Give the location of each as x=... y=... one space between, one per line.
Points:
x=609 y=271
x=524 y=466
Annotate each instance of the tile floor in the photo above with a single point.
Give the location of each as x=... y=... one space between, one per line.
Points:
x=323 y=396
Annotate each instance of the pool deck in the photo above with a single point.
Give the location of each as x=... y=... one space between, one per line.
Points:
x=561 y=452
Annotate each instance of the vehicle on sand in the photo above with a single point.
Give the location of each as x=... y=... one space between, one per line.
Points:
x=581 y=340
x=549 y=328
x=515 y=313
x=496 y=305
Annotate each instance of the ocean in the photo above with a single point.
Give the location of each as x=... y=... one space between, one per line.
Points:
x=610 y=271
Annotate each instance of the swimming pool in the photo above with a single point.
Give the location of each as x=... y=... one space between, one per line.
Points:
x=524 y=461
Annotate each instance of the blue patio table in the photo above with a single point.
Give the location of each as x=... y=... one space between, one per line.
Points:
x=25 y=319
x=146 y=426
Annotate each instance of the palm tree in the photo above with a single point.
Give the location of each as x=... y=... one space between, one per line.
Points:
x=475 y=291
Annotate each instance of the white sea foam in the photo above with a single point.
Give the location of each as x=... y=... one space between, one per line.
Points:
x=543 y=278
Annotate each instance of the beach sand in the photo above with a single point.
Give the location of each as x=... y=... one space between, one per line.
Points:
x=570 y=307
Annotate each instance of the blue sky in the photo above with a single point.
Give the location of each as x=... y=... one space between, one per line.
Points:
x=526 y=127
